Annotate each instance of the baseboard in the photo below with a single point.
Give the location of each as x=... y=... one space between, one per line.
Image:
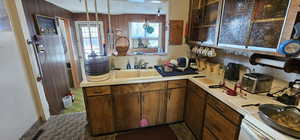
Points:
x=33 y=131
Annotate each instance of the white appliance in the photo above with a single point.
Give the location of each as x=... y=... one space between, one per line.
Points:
x=250 y=132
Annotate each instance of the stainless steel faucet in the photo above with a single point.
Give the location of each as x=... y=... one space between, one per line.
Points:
x=141 y=64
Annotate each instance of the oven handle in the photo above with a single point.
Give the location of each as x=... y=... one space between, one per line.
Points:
x=248 y=132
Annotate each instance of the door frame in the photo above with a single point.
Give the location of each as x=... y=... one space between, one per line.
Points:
x=73 y=58
x=79 y=43
x=20 y=27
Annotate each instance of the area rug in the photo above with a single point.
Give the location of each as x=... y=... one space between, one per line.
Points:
x=156 y=133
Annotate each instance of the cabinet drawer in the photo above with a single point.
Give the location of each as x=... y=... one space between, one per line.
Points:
x=124 y=89
x=225 y=110
x=103 y=90
x=207 y=135
x=177 y=83
x=219 y=126
x=154 y=86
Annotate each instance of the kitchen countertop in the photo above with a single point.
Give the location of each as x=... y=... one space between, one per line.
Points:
x=235 y=102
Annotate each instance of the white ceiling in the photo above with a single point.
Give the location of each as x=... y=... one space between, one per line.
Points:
x=117 y=6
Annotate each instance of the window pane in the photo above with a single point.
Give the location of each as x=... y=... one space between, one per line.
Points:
x=142 y=39
x=156 y=31
x=137 y=30
x=92 y=32
x=153 y=43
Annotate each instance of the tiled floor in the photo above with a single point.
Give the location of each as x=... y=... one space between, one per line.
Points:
x=73 y=127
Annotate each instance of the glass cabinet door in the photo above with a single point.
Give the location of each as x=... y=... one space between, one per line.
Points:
x=204 y=22
x=195 y=20
x=235 y=24
x=267 y=22
x=210 y=22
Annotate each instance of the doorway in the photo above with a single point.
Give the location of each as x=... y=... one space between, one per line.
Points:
x=56 y=55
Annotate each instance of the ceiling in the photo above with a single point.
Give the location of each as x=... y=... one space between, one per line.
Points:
x=117 y=6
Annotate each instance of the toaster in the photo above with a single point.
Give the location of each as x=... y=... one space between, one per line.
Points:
x=256 y=83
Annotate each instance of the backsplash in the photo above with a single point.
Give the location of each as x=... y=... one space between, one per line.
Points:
x=227 y=56
x=173 y=52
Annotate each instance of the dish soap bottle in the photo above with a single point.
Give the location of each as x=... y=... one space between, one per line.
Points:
x=128 y=65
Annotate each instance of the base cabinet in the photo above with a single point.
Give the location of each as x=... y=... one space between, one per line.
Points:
x=175 y=104
x=207 y=135
x=122 y=107
x=127 y=110
x=100 y=114
x=221 y=121
x=219 y=126
x=195 y=109
x=154 y=107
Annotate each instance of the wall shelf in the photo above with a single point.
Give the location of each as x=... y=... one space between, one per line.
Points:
x=268 y=20
x=212 y=2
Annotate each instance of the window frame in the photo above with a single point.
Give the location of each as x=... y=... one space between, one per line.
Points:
x=78 y=25
x=160 y=48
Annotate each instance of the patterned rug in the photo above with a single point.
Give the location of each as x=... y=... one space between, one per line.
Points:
x=74 y=127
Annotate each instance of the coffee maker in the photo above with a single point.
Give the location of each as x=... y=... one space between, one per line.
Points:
x=232 y=72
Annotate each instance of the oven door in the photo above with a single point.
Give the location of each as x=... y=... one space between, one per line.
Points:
x=250 y=132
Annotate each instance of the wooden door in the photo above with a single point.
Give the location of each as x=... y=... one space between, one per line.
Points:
x=194 y=112
x=175 y=104
x=53 y=63
x=154 y=107
x=127 y=110
x=54 y=71
x=100 y=114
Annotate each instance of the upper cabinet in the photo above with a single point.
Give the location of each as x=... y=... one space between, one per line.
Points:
x=259 y=25
x=253 y=24
x=266 y=23
x=204 y=21
x=236 y=20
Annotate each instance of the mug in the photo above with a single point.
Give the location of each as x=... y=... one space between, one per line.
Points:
x=199 y=50
x=205 y=51
x=211 y=53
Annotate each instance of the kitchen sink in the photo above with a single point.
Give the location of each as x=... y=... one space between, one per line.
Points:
x=136 y=73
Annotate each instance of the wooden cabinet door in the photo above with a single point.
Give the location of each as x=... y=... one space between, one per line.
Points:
x=100 y=114
x=207 y=135
x=194 y=112
x=154 y=107
x=205 y=18
x=175 y=104
x=127 y=110
x=219 y=126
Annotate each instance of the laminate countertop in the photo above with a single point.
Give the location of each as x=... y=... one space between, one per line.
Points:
x=235 y=102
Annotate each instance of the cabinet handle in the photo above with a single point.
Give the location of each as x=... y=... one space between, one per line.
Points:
x=215 y=127
x=219 y=110
x=97 y=92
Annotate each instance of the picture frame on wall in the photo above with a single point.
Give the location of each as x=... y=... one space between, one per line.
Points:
x=4 y=19
x=45 y=25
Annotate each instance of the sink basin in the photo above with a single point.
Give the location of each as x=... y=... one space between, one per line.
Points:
x=135 y=73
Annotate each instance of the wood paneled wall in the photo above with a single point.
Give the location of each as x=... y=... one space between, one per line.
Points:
x=121 y=21
x=53 y=62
